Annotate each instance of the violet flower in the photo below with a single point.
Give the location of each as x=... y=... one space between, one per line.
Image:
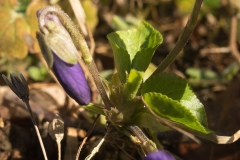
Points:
x=159 y=155
x=60 y=54
x=72 y=79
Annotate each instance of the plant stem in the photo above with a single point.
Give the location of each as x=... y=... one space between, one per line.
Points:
x=26 y=101
x=95 y=74
x=182 y=39
x=155 y=139
x=59 y=150
x=146 y=144
x=41 y=142
x=87 y=58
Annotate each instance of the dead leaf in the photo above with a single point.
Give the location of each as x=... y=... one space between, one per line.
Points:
x=31 y=19
x=13 y=29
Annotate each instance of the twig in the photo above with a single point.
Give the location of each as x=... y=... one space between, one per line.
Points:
x=59 y=150
x=233 y=38
x=96 y=149
x=182 y=39
x=79 y=14
x=85 y=139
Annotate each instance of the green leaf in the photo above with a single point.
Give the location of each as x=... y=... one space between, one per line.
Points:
x=22 y=6
x=134 y=48
x=94 y=108
x=177 y=89
x=213 y=3
x=172 y=110
x=121 y=61
x=143 y=118
x=133 y=83
x=37 y=73
x=201 y=74
x=124 y=23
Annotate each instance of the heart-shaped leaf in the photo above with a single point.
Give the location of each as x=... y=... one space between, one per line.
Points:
x=172 y=110
x=177 y=89
x=134 y=48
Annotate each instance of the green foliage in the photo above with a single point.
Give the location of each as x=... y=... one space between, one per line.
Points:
x=133 y=83
x=168 y=108
x=23 y=5
x=198 y=74
x=168 y=96
x=38 y=73
x=133 y=49
x=177 y=89
x=212 y=3
x=205 y=77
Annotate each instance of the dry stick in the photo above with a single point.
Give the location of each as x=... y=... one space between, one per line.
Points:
x=182 y=40
x=233 y=39
x=79 y=14
x=59 y=150
x=96 y=149
x=236 y=55
x=36 y=128
x=85 y=139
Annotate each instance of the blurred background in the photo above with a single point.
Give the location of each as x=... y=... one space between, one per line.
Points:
x=209 y=61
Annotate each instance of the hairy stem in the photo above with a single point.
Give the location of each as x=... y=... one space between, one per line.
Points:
x=146 y=144
x=182 y=40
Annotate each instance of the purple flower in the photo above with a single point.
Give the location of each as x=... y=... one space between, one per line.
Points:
x=60 y=54
x=72 y=79
x=159 y=155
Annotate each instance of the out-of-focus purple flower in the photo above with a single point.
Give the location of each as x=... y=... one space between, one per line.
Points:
x=159 y=155
x=60 y=54
x=72 y=79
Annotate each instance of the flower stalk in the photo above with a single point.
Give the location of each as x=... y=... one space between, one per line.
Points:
x=184 y=37
x=20 y=88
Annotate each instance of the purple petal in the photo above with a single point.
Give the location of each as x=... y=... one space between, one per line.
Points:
x=72 y=79
x=159 y=155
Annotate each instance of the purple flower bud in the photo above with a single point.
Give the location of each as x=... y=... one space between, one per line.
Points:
x=159 y=155
x=60 y=54
x=72 y=79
